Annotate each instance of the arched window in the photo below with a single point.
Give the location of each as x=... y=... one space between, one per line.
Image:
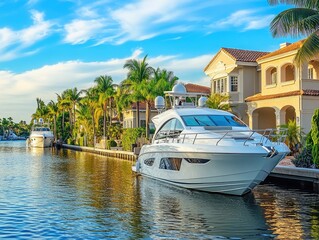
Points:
x=287 y=72
x=313 y=69
x=271 y=76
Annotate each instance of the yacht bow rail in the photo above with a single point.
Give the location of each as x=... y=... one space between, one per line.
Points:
x=265 y=135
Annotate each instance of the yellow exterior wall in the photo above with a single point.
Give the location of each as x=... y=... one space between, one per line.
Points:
x=281 y=86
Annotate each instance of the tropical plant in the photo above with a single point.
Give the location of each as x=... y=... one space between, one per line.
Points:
x=315 y=137
x=53 y=111
x=91 y=101
x=84 y=122
x=72 y=98
x=162 y=80
x=130 y=136
x=302 y=20
x=106 y=91
x=293 y=139
x=218 y=101
x=139 y=73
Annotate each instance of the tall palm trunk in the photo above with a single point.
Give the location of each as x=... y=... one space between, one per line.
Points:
x=104 y=125
x=138 y=114
x=54 y=128
x=147 y=113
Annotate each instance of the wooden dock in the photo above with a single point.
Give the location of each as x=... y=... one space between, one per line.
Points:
x=104 y=152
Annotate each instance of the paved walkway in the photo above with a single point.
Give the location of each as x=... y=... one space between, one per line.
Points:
x=286 y=162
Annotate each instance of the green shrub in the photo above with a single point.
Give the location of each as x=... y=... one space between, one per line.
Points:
x=130 y=136
x=110 y=143
x=303 y=159
x=80 y=141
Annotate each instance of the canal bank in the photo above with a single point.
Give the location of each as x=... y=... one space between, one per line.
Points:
x=104 y=152
x=302 y=178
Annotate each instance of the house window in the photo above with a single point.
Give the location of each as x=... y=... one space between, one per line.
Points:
x=271 y=76
x=143 y=123
x=310 y=73
x=220 y=85
x=234 y=84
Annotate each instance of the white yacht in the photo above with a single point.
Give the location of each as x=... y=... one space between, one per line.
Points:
x=208 y=149
x=41 y=136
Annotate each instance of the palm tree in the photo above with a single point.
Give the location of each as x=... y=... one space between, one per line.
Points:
x=106 y=91
x=296 y=22
x=138 y=71
x=72 y=97
x=161 y=81
x=53 y=111
x=62 y=106
x=91 y=101
x=218 y=101
x=84 y=120
x=122 y=99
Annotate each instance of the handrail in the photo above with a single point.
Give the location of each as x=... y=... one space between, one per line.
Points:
x=275 y=135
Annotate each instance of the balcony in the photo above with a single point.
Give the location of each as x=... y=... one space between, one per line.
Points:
x=312 y=84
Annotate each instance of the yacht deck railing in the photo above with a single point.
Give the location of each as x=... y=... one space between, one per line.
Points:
x=274 y=135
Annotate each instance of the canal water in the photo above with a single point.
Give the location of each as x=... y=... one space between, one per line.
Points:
x=48 y=194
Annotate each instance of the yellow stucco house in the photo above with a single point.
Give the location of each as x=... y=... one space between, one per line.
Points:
x=275 y=90
x=235 y=72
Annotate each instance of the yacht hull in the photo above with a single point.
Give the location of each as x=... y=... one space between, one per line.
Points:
x=40 y=141
x=223 y=170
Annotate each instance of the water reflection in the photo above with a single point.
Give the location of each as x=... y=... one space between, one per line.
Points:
x=66 y=194
x=290 y=213
x=178 y=213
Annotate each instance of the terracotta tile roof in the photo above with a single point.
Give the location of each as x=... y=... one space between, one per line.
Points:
x=291 y=47
x=244 y=55
x=305 y=92
x=239 y=55
x=190 y=87
x=142 y=106
x=310 y=92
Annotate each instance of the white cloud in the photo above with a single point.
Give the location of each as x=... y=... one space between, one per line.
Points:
x=135 y=21
x=80 y=31
x=246 y=19
x=14 y=44
x=18 y=91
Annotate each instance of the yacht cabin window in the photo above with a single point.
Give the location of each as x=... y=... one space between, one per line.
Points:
x=171 y=164
x=212 y=120
x=171 y=128
x=149 y=161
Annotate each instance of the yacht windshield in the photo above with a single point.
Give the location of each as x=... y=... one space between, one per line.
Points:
x=212 y=120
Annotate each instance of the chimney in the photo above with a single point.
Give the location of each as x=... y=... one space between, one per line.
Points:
x=285 y=44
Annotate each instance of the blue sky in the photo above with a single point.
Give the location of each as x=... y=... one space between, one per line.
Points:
x=49 y=46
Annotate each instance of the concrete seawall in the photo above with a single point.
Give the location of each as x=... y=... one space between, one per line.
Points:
x=109 y=153
x=303 y=178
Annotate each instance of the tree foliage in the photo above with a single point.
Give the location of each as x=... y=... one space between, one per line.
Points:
x=218 y=101
x=299 y=21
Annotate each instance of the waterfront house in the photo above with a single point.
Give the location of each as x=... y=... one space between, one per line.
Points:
x=130 y=114
x=235 y=72
x=288 y=91
x=267 y=89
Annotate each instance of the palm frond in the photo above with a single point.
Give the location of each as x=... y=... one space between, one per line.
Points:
x=295 y=22
x=313 y=4
x=308 y=50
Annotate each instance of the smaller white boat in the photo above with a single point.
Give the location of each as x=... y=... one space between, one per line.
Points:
x=41 y=136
